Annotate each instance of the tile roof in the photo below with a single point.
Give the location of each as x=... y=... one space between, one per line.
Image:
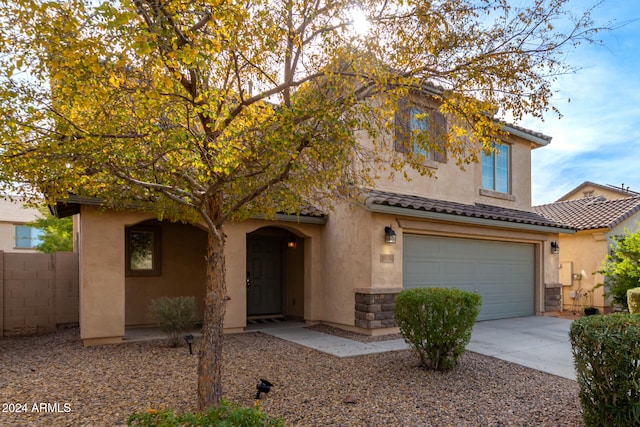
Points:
x=477 y=210
x=591 y=212
x=540 y=138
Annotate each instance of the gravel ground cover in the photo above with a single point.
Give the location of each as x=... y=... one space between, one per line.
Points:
x=55 y=381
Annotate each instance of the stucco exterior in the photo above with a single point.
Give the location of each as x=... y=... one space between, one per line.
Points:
x=329 y=265
x=599 y=212
x=335 y=269
x=13 y=213
x=110 y=301
x=464 y=184
x=583 y=255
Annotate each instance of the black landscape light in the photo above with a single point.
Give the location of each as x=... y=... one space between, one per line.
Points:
x=263 y=386
x=189 y=340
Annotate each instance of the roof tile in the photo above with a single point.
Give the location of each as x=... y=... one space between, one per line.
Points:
x=590 y=212
x=376 y=197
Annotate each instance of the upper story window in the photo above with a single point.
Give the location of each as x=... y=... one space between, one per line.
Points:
x=28 y=237
x=495 y=169
x=417 y=126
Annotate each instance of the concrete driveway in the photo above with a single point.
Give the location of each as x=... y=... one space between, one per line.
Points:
x=537 y=342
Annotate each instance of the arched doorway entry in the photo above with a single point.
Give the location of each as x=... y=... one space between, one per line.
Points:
x=275 y=274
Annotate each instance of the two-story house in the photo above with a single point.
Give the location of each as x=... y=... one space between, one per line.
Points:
x=472 y=229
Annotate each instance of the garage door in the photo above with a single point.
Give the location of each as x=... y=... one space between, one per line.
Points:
x=501 y=272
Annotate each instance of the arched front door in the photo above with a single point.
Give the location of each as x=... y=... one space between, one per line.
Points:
x=275 y=273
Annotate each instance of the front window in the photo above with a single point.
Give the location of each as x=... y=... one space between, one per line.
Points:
x=28 y=237
x=143 y=251
x=495 y=169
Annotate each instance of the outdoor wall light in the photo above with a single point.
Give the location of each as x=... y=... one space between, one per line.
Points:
x=291 y=244
x=555 y=248
x=263 y=386
x=389 y=235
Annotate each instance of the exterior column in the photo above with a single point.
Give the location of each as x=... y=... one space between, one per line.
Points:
x=102 y=277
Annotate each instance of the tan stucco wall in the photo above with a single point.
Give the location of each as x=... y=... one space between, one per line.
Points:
x=459 y=184
x=303 y=271
x=13 y=213
x=102 y=281
x=109 y=300
x=583 y=254
x=347 y=262
x=183 y=273
x=358 y=260
x=294 y=279
x=333 y=260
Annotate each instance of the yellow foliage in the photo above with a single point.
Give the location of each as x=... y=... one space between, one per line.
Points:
x=259 y=103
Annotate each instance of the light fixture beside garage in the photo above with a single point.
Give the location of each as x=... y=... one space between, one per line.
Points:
x=555 y=247
x=389 y=235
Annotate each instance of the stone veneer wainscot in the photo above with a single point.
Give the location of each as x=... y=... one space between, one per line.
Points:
x=374 y=307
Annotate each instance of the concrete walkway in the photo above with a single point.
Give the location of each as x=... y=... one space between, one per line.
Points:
x=538 y=342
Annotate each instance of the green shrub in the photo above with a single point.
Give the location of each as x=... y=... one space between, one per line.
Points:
x=606 y=351
x=621 y=267
x=437 y=323
x=633 y=300
x=174 y=316
x=225 y=415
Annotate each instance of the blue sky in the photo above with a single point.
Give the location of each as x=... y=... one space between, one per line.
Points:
x=598 y=137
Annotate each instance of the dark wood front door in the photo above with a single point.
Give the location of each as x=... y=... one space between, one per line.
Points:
x=264 y=275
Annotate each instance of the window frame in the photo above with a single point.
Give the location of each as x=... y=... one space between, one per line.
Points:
x=434 y=123
x=156 y=247
x=496 y=176
x=34 y=240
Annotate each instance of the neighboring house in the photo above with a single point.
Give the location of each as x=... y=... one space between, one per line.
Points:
x=590 y=189
x=598 y=213
x=473 y=229
x=15 y=234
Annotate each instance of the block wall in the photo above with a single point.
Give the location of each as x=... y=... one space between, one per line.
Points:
x=37 y=292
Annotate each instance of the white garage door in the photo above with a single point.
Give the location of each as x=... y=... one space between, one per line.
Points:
x=501 y=272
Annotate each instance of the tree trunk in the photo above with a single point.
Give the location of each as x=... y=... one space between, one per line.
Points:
x=210 y=362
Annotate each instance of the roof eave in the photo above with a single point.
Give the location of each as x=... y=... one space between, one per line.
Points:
x=535 y=139
x=439 y=216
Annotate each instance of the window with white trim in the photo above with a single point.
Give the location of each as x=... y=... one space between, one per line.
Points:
x=28 y=237
x=495 y=169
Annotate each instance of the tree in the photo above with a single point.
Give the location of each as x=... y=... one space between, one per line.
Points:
x=211 y=111
x=622 y=267
x=57 y=233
